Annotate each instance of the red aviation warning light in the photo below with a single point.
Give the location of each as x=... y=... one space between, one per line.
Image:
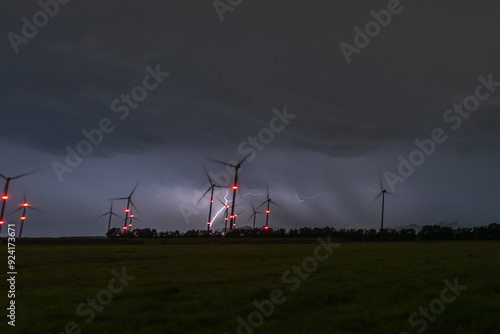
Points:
x=268 y=211
x=124 y=227
x=211 y=201
x=127 y=210
x=132 y=216
x=130 y=225
x=2 y=222
x=23 y=218
x=26 y=204
x=5 y=197
x=235 y=187
x=208 y=223
x=266 y=228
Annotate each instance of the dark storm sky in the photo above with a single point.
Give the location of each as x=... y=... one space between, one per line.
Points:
x=351 y=120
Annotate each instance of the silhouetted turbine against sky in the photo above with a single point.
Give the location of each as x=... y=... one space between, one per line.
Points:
x=236 y=216
x=268 y=211
x=129 y=203
x=5 y=195
x=382 y=193
x=225 y=215
x=235 y=184
x=132 y=217
x=211 y=188
x=110 y=213
x=24 y=207
x=254 y=214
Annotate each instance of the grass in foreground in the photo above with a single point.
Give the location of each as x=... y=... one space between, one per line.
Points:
x=199 y=288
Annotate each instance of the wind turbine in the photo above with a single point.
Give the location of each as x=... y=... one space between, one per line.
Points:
x=254 y=215
x=110 y=213
x=211 y=188
x=5 y=195
x=236 y=216
x=23 y=207
x=382 y=193
x=268 y=211
x=129 y=203
x=132 y=217
x=225 y=215
x=235 y=184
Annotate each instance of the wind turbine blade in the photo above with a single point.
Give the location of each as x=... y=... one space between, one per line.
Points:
x=114 y=214
x=3 y=176
x=244 y=159
x=222 y=162
x=380 y=182
x=134 y=189
x=132 y=203
x=253 y=209
x=262 y=204
x=221 y=201
x=268 y=191
x=274 y=203
x=376 y=198
x=104 y=214
x=32 y=208
x=25 y=196
x=15 y=211
x=19 y=176
x=206 y=192
x=117 y=199
x=208 y=175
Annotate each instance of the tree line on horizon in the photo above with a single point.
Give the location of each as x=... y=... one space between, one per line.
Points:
x=427 y=232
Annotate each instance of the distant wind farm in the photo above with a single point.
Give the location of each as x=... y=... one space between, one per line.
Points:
x=250 y=167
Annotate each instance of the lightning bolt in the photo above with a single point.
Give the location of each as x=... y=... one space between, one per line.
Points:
x=253 y=194
x=223 y=208
x=297 y=199
x=317 y=195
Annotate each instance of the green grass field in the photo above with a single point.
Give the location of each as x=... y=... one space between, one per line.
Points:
x=189 y=286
